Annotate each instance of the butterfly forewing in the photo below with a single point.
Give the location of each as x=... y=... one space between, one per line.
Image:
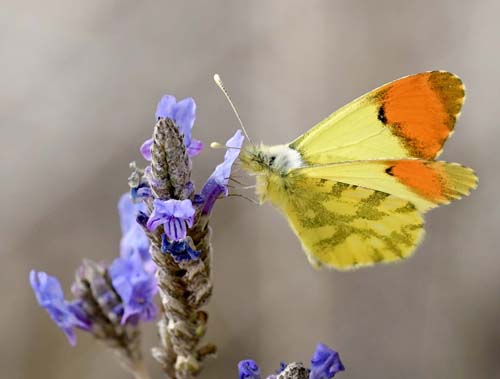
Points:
x=409 y=118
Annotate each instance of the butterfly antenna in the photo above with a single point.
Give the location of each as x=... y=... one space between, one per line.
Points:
x=253 y=201
x=219 y=83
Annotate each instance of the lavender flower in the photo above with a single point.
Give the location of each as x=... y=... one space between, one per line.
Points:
x=175 y=216
x=179 y=250
x=183 y=114
x=66 y=315
x=138 y=183
x=94 y=290
x=143 y=191
x=325 y=363
x=145 y=149
x=282 y=367
x=216 y=185
x=136 y=287
x=133 y=240
x=248 y=369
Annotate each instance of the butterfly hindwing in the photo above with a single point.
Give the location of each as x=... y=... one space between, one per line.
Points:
x=409 y=118
x=344 y=226
x=426 y=184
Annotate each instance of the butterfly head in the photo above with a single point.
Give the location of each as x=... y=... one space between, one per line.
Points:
x=264 y=159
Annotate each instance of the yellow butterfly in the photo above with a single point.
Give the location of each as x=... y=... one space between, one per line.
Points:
x=354 y=188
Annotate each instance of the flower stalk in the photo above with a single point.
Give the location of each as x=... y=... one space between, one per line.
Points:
x=185 y=285
x=101 y=302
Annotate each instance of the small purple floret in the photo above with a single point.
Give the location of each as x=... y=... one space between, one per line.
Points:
x=66 y=315
x=248 y=369
x=183 y=113
x=282 y=367
x=175 y=216
x=136 y=287
x=179 y=250
x=325 y=363
x=141 y=192
x=145 y=149
x=134 y=240
x=216 y=185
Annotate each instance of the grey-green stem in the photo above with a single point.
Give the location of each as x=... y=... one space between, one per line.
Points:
x=185 y=286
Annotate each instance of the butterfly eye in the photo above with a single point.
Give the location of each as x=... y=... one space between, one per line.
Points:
x=271 y=160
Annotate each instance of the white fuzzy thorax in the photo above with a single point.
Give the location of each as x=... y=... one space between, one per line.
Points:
x=285 y=158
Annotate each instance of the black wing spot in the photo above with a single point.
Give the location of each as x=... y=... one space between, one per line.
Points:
x=381 y=115
x=271 y=160
x=388 y=171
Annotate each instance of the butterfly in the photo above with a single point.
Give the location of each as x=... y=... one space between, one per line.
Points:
x=354 y=188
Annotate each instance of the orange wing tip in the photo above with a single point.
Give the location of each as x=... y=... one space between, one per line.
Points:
x=422 y=110
x=436 y=181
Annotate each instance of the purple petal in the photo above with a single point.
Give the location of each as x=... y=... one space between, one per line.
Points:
x=83 y=321
x=233 y=147
x=47 y=288
x=216 y=185
x=145 y=149
x=133 y=240
x=154 y=221
x=195 y=148
x=175 y=229
x=223 y=170
x=135 y=285
x=183 y=209
x=211 y=191
x=184 y=114
x=248 y=369
x=128 y=211
x=325 y=363
x=70 y=334
x=165 y=107
x=50 y=296
x=143 y=192
x=164 y=207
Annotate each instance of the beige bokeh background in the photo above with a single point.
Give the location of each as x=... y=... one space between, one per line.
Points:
x=80 y=81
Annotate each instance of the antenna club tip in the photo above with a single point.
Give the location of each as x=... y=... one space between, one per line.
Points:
x=217 y=78
x=216 y=145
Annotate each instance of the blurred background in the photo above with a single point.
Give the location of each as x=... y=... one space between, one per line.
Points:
x=80 y=83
